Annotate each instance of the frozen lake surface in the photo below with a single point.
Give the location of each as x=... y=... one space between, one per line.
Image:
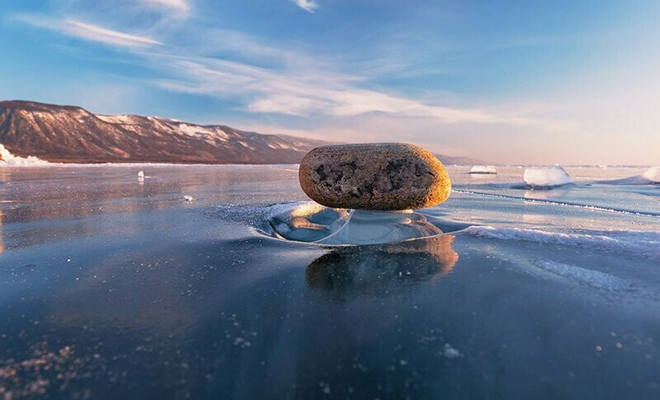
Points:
x=114 y=287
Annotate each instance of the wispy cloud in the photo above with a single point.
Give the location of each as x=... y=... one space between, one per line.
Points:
x=89 y=32
x=287 y=83
x=306 y=93
x=307 y=5
x=181 y=5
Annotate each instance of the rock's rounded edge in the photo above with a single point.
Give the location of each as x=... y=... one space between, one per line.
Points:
x=410 y=198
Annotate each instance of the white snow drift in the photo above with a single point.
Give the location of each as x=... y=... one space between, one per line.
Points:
x=8 y=159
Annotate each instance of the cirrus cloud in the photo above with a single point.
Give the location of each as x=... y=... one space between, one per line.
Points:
x=87 y=31
x=307 y=5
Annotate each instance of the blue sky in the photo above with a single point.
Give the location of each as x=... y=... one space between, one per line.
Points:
x=518 y=81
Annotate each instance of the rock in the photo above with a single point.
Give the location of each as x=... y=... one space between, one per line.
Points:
x=379 y=176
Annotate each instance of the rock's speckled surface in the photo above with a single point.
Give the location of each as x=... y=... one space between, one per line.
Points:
x=374 y=176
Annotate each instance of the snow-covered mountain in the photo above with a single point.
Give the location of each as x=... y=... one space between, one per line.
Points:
x=73 y=134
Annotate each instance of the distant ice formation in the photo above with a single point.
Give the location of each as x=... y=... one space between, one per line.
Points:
x=140 y=175
x=188 y=198
x=8 y=159
x=652 y=174
x=546 y=177
x=650 y=177
x=483 y=169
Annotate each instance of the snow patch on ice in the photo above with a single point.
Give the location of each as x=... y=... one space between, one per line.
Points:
x=483 y=169
x=546 y=177
x=645 y=244
x=8 y=159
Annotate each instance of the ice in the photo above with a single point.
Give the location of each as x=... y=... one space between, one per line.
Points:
x=483 y=169
x=644 y=244
x=140 y=175
x=546 y=177
x=188 y=198
x=650 y=177
x=652 y=174
x=8 y=159
x=377 y=227
x=311 y=222
x=589 y=277
x=560 y=290
x=304 y=221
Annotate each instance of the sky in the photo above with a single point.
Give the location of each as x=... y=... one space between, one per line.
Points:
x=505 y=81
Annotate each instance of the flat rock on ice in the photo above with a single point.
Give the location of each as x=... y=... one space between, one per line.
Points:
x=378 y=176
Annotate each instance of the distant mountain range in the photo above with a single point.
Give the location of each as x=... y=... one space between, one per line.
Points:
x=72 y=134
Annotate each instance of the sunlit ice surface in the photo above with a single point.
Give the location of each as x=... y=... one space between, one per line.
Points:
x=114 y=287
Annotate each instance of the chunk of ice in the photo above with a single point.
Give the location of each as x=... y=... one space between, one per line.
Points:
x=652 y=174
x=483 y=169
x=546 y=177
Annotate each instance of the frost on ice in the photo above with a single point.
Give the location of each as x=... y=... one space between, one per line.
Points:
x=546 y=177
x=483 y=169
x=6 y=158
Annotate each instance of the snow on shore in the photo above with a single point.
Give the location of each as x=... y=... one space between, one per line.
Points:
x=8 y=159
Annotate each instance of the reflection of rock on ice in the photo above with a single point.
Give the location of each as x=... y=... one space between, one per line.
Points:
x=311 y=222
x=353 y=270
x=556 y=193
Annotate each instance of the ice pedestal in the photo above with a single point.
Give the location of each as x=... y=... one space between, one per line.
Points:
x=376 y=227
x=312 y=223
